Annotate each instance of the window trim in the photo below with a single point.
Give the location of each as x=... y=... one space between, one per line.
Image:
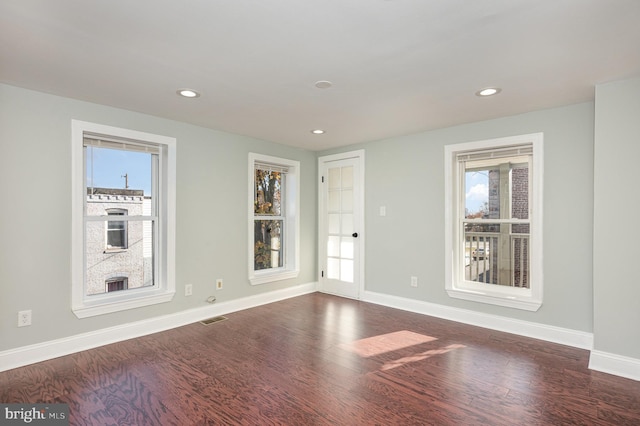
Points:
x=291 y=268
x=81 y=305
x=520 y=298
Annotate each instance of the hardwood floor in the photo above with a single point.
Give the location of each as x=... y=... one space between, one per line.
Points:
x=323 y=360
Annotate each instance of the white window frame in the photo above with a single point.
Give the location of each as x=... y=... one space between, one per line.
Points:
x=163 y=289
x=529 y=299
x=291 y=206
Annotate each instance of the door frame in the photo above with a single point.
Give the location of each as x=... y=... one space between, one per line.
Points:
x=358 y=212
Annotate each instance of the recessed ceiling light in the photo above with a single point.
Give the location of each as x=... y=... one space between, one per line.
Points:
x=317 y=131
x=188 y=93
x=323 y=84
x=489 y=91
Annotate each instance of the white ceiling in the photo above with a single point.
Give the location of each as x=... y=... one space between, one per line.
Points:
x=397 y=66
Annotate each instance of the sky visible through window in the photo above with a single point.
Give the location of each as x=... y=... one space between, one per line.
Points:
x=476 y=190
x=106 y=168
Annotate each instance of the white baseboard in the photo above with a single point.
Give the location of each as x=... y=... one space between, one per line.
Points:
x=26 y=355
x=615 y=364
x=564 y=336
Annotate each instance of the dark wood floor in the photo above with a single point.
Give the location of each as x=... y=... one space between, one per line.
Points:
x=323 y=360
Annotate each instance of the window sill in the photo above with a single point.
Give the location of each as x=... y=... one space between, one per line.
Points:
x=495 y=298
x=267 y=277
x=121 y=304
x=114 y=250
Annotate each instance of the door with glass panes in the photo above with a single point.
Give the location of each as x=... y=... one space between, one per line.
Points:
x=341 y=224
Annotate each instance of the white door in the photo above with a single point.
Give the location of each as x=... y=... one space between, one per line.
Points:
x=341 y=224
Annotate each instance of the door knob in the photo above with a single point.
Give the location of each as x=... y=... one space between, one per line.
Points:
x=354 y=235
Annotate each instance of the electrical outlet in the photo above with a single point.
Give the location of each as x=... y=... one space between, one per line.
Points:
x=188 y=289
x=219 y=284
x=414 y=281
x=24 y=318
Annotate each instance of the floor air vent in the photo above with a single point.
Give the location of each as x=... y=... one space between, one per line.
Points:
x=212 y=320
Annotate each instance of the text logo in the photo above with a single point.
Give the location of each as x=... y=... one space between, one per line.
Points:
x=36 y=414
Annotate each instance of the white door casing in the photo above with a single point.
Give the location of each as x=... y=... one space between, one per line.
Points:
x=341 y=224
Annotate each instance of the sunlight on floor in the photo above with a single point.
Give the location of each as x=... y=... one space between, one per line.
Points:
x=384 y=343
x=419 y=357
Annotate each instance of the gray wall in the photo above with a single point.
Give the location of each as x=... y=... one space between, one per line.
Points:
x=35 y=215
x=616 y=244
x=406 y=174
x=583 y=256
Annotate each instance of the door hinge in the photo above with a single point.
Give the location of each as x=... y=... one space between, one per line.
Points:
x=322 y=274
x=322 y=179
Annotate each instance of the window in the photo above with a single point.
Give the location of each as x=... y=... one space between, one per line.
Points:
x=273 y=222
x=493 y=221
x=123 y=229
x=117 y=284
x=116 y=230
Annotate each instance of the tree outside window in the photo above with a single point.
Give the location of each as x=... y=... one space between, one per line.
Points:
x=273 y=222
x=269 y=222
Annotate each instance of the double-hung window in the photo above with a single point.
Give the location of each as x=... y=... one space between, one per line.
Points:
x=123 y=220
x=274 y=204
x=493 y=221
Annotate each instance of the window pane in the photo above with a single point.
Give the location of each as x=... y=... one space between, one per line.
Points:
x=117 y=284
x=116 y=231
x=118 y=253
x=116 y=235
x=346 y=247
x=346 y=270
x=347 y=200
x=135 y=264
x=347 y=224
x=268 y=244
x=334 y=201
x=477 y=194
x=116 y=178
x=497 y=253
x=488 y=192
x=268 y=195
x=334 y=223
x=347 y=177
x=333 y=269
x=333 y=246
x=334 y=178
